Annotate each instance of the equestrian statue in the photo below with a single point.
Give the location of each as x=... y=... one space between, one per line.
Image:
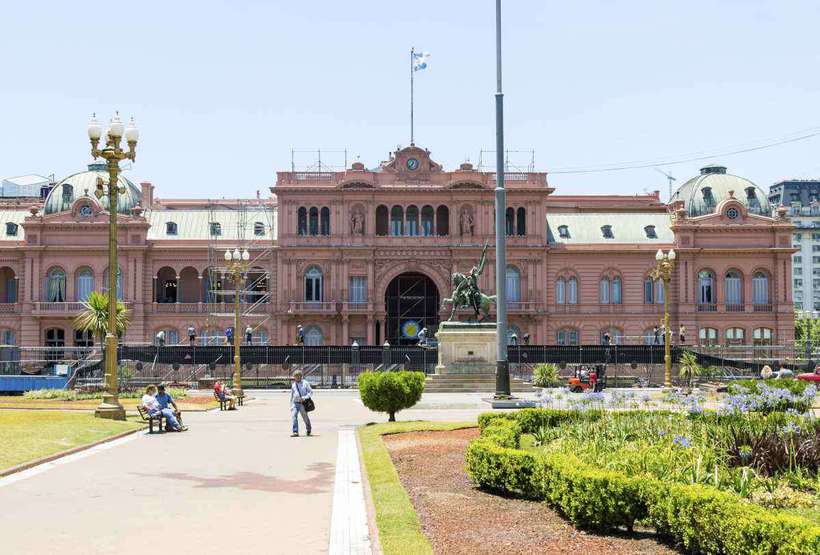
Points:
x=466 y=293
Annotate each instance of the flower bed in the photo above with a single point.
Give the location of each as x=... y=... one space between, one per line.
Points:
x=714 y=483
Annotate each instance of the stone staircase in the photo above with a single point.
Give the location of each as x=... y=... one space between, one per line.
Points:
x=471 y=383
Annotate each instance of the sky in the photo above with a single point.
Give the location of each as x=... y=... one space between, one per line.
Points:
x=224 y=91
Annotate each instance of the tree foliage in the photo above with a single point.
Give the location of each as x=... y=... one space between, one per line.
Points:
x=390 y=392
x=94 y=316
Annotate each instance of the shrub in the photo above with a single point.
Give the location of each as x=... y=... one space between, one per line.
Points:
x=545 y=375
x=795 y=387
x=390 y=392
x=700 y=517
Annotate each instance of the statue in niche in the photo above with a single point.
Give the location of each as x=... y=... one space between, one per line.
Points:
x=357 y=224
x=466 y=222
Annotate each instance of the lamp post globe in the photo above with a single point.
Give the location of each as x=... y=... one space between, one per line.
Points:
x=94 y=128
x=132 y=134
x=116 y=127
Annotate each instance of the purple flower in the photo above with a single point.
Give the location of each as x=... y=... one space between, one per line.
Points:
x=682 y=441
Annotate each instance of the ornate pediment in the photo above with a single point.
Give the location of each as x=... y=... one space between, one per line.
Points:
x=411 y=164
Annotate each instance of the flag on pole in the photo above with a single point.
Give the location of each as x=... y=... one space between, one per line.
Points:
x=420 y=60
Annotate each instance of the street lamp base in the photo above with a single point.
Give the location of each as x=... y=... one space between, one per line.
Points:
x=111 y=410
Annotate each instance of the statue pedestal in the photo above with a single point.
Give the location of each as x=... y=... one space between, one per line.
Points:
x=466 y=348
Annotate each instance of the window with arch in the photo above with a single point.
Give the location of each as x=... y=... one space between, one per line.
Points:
x=442 y=221
x=324 y=220
x=83 y=284
x=760 y=290
x=83 y=338
x=509 y=222
x=412 y=218
x=170 y=228
x=572 y=290
x=561 y=291
x=650 y=336
x=314 y=336
x=762 y=336
x=610 y=290
x=381 y=220
x=260 y=337
x=427 y=221
x=313 y=285
x=259 y=229
x=55 y=341
x=396 y=221
x=119 y=283
x=55 y=286
x=212 y=337
x=313 y=220
x=171 y=336
x=652 y=291
x=708 y=336
x=567 y=336
x=521 y=221
x=301 y=219
x=733 y=284
x=735 y=336
x=706 y=290
x=513 y=283
x=514 y=336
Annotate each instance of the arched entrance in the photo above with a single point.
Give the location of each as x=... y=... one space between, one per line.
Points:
x=412 y=303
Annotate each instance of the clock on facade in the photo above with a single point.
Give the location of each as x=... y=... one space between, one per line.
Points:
x=85 y=210
x=732 y=213
x=412 y=164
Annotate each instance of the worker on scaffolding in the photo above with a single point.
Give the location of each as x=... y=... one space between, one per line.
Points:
x=192 y=335
x=229 y=335
x=249 y=335
x=300 y=335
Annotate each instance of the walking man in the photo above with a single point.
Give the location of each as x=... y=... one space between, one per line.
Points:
x=300 y=393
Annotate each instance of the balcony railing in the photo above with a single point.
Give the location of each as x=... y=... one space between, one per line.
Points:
x=735 y=307
x=706 y=307
x=9 y=308
x=311 y=307
x=764 y=307
x=64 y=308
x=523 y=306
x=355 y=306
x=566 y=308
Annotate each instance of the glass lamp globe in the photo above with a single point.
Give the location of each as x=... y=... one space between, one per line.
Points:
x=246 y=255
x=132 y=134
x=227 y=255
x=94 y=128
x=116 y=126
x=672 y=254
x=236 y=255
x=659 y=255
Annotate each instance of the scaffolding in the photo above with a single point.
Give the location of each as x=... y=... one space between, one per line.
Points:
x=239 y=224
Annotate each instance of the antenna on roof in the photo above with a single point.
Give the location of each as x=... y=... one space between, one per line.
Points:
x=670 y=179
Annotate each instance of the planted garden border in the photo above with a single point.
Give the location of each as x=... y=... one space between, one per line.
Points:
x=701 y=518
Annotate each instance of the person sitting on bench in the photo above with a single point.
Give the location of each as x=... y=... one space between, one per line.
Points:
x=164 y=399
x=224 y=394
x=150 y=404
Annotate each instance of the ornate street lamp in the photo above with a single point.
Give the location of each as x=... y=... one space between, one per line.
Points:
x=237 y=266
x=664 y=265
x=112 y=153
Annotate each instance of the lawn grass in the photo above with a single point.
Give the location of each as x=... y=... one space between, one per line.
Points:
x=187 y=404
x=28 y=435
x=399 y=527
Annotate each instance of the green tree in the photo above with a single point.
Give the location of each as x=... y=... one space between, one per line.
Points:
x=689 y=368
x=390 y=392
x=806 y=334
x=94 y=317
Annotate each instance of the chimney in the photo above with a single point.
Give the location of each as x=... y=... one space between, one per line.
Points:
x=147 y=195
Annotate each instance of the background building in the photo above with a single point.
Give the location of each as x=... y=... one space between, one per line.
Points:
x=802 y=199
x=367 y=255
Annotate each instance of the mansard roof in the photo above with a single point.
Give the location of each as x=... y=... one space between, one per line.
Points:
x=625 y=227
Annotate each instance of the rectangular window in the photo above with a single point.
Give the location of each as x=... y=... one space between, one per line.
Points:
x=604 y=292
x=798 y=236
x=815 y=248
x=797 y=259
x=647 y=291
x=815 y=259
x=572 y=291
x=815 y=236
x=358 y=290
x=798 y=284
x=816 y=284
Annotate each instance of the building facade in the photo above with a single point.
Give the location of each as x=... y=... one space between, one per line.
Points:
x=367 y=255
x=802 y=199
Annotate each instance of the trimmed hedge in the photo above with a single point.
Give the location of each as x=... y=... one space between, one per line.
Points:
x=702 y=519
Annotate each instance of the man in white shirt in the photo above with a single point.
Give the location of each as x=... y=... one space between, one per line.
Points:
x=299 y=391
x=151 y=405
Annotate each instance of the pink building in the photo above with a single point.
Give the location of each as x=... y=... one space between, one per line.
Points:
x=367 y=255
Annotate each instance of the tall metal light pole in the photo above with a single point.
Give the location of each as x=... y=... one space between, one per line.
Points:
x=665 y=263
x=112 y=153
x=237 y=265
x=502 y=369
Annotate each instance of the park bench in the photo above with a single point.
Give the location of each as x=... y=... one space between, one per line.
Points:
x=223 y=404
x=158 y=418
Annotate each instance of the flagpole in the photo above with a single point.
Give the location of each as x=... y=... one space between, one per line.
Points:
x=412 y=50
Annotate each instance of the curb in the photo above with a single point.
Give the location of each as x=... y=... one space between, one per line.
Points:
x=61 y=454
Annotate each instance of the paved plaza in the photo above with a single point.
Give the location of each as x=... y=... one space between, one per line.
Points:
x=235 y=482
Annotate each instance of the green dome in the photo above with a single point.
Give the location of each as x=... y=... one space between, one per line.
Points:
x=703 y=193
x=63 y=195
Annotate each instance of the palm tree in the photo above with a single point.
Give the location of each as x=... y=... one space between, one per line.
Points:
x=689 y=368
x=94 y=316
